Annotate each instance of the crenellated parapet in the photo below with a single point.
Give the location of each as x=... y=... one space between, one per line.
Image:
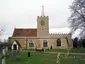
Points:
x=42 y=16
x=60 y=34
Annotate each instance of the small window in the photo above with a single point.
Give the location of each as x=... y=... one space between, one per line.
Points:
x=45 y=43
x=31 y=43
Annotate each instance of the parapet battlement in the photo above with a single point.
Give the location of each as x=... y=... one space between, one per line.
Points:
x=42 y=16
x=60 y=34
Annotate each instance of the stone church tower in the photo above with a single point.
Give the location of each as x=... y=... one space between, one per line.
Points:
x=42 y=24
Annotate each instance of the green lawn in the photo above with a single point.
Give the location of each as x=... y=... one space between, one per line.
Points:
x=71 y=60
x=78 y=50
x=56 y=50
x=39 y=58
x=42 y=58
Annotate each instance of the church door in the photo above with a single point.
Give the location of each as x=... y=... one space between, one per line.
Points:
x=15 y=47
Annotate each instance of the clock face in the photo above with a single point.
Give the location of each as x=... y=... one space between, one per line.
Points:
x=42 y=22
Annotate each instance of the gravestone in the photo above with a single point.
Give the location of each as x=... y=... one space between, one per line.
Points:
x=18 y=55
x=28 y=54
x=58 y=59
x=34 y=53
x=67 y=54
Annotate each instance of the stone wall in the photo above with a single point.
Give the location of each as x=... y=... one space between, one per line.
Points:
x=38 y=42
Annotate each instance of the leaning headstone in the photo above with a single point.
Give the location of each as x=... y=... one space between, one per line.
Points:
x=18 y=55
x=58 y=59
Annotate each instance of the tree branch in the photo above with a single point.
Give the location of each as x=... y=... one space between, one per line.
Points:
x=82 y=16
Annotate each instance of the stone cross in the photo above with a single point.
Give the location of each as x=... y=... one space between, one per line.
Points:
x=66 y=55
x=58 y=59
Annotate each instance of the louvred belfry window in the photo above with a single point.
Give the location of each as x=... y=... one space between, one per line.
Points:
x=42 y=22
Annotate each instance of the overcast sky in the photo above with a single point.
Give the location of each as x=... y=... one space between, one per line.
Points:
x=23 y=13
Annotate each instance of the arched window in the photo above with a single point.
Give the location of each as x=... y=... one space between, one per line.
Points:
x=45 y=43
x=31 y=43
x=58 y=42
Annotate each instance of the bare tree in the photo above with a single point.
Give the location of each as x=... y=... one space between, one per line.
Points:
x=2 y=29
x=77 y=18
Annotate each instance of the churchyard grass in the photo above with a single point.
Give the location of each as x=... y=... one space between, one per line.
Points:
x=43 y=58
x=56 y=50
x=31 y=49
x=73 y=59
x=76 y=50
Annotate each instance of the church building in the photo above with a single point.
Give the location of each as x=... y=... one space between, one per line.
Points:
x=31 y=38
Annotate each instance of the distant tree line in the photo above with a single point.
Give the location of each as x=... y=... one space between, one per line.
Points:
x=4 y=44
x=78 y=43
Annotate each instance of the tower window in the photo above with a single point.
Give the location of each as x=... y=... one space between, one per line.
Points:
x=42 y=22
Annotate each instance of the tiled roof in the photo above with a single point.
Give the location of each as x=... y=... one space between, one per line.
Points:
x=20 y=32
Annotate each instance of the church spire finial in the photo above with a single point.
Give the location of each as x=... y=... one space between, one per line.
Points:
x=42 y=11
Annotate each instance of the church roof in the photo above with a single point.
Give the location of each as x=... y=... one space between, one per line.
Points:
x=21 y=32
